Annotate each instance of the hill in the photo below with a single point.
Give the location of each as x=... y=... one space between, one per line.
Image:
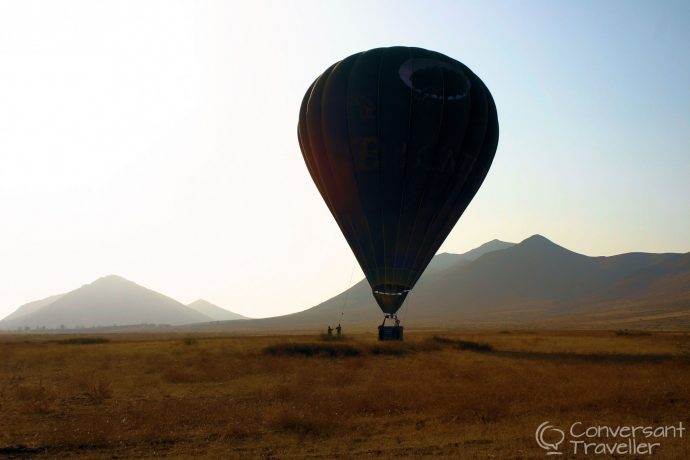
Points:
x=32 y=307
x=108 y=301
x=535 y=282
x=531 y=284
x=447 y=260
x=356 y=305
x=213 y=311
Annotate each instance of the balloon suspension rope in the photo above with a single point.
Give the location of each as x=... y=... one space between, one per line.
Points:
x=347 y=291
x=407 y=306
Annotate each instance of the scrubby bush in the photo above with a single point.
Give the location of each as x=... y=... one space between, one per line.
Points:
x=83 y=341
x=463 y=344
x=313 y=349
x=628 y=332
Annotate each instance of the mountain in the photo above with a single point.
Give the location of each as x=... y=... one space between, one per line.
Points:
x=115 y=301
x=32 y=307
x=356 y=305
x=447 y=260
x=535 y=282
x=657 y=295
x=491 y=246
x=108 y=301
x=530 y=281
x=213 y=311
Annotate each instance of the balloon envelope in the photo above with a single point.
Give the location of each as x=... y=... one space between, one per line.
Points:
x=398 y=141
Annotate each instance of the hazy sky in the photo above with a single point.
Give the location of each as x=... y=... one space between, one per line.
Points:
x=157 y=140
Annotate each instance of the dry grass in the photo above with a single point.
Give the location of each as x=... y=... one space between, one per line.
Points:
x=96 y=388
x=442 y=394
x=38 y=398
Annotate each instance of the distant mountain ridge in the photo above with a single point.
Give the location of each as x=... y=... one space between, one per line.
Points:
x=108 y=301
x=91 y=304
x=533 y=283
x=447 y=260
x=357 y=305
x=214 y=311
x=532 y=280
x=32 y=307
x=530 y=284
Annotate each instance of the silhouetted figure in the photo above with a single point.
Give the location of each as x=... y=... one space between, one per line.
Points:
x=330 y=331
x=339 y=329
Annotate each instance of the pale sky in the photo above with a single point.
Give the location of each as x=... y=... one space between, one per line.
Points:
x=157 y=140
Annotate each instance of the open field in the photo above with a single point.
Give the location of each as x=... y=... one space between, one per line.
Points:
x=441 y=394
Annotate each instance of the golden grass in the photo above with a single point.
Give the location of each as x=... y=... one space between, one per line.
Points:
x=447 y=394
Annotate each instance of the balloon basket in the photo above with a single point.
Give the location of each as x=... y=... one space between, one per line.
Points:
x=391 y=332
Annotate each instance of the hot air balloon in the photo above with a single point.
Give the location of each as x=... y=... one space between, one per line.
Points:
x=398 y=141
